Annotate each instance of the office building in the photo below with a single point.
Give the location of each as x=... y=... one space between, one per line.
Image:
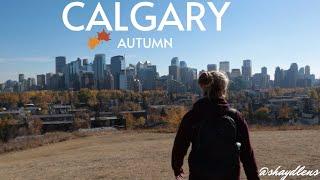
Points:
x=60 y=64
x=212 y=67
x=99 y=63
x=41 y=81
x=247 y=70
x=118 y=67
x=224 y=66
x=174 y=69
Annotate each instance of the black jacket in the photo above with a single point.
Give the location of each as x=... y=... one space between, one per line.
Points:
x=185 y=136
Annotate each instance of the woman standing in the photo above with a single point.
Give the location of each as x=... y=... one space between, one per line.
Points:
x=219 y=136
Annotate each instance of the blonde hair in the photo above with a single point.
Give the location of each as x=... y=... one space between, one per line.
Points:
x=214 y=84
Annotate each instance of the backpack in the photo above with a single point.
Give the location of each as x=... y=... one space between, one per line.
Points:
x=215 y=153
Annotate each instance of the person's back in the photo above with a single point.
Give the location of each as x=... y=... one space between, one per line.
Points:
x=219 y=137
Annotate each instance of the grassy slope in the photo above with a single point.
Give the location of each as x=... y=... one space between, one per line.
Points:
x=131 y=155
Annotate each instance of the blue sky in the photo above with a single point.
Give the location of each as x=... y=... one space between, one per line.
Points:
x=270 y=32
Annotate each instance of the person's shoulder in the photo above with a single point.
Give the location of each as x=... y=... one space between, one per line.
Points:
x=237 y=115
x=202 y=101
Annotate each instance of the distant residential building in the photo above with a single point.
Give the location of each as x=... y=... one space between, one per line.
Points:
x=60 y=64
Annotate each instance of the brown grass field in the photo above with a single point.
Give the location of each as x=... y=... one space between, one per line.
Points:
x=146 y=155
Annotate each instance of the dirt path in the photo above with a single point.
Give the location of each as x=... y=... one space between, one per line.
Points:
x=124 y=155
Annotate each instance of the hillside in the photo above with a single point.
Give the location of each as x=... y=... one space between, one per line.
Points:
x=131 y=155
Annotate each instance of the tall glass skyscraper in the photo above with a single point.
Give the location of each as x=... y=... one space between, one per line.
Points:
x=118 y=67
x=99 y=70
x=60 y=64
x=247 y=69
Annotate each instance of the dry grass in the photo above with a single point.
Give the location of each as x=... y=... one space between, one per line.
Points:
x=145 y=155
x=28 y=142
x=284 y=127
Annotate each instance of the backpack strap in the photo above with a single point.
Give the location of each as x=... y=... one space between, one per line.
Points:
x=233 y=113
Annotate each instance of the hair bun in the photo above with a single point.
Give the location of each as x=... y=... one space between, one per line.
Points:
x=205 y=78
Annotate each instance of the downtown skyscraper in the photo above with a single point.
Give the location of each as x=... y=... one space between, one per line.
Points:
x=99 y=63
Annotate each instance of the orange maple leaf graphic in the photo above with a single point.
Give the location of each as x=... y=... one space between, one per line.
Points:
x=93 y=42
x=103 y=36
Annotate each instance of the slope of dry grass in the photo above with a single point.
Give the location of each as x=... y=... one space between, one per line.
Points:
x=131 y=155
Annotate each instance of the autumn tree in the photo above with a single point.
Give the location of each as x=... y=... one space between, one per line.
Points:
x=88 y=97
x=175 y=115
x=262 y=114
x=42 y=99
x=284 y=112
x=9 y=100
x=132 y=122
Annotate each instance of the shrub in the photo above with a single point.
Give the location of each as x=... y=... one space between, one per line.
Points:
x=174 y=115
x=81 y=121
x=35 y=126
x=262 y=114
x=132 y=122
x=6 y=129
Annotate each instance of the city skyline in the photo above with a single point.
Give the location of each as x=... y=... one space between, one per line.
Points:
x=264 y=32
x=98 y=74
x=220 y=66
